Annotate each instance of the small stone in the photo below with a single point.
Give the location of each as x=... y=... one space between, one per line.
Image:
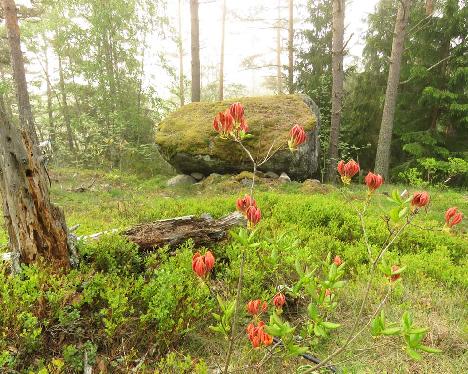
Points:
x=181 y=179
x=271 y=175
x=197 y=176
x=246 y=182
x=284 y=178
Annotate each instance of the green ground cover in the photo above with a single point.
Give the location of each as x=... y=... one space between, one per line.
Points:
x=130 y=310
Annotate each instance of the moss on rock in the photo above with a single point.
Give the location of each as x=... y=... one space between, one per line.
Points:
x=186 y=137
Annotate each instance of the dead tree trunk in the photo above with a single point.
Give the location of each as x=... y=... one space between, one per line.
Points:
x=195 y=39
x=181 y=59
x=17 y=63
x=221 y=63
x=382 y=158
x=175 y=231
x=35 y=226
x=291 y=47
x=337 y=86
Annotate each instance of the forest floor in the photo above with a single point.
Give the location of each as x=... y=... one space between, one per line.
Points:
x=434 y=286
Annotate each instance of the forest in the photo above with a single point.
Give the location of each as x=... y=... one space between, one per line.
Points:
x=218 y=186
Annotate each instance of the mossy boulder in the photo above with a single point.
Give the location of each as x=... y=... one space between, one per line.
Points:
x=188 y=142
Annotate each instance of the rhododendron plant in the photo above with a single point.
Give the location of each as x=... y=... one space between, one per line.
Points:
x=202 y=265
x=453 y=217
x=279 y=300
x=255 y=307
x=373 y=181
x=297 y=136
x=420 y=200
x=347 y=170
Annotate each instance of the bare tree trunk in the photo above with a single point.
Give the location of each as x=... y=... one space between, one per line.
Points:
x=65 y=111
x=382 y=158
x=221 y=64
x=35 y=226
x=279 y=81
x=291 y=47
x=24 y=105
x=337 y=86
x=195 y=36
x=181 y=59
x=50 y=114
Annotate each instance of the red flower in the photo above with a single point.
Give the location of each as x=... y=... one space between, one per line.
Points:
x=453 y=216
x=328 y=292
x=237 y=111
x=243 y=125
x=337 y=260
x=279 y=300
x=297 y=136
x=202 y=265
x=258 y=336
x=395 y=277
x=347 y=170
x=373 y=181
x=254 y=215
x=243 y=204
x=255 y=307
x=420 y=199
x=223 y=124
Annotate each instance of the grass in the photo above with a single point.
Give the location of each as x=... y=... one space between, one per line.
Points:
x=435 y=283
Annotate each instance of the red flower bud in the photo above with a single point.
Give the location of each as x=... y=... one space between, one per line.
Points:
x=254 y=215
x=373 y=181
x=258 y=336
x=279 y=300
x=209 y=260
x=243 y=125
x=243 y=204
x=223 y=124
x=453 y=217
x=420 y=199
x=328 y=292
x=297 y=136
x=337 y=260
x=255 y=307
x=347 y=170
x=395 y=277
x=202 y=265
x=237 y=111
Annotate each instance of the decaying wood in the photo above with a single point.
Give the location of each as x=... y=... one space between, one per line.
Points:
x=175 y=231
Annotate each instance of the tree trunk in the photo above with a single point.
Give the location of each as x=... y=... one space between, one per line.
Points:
x=221 y=64
x=181 y=59
x=279 y=81
x=195 y=36
x=19 y=75
x=65 y=109
x=34 y=225
x=50 y=114
x=337 y=86
x=382 y=158
x=291 y=47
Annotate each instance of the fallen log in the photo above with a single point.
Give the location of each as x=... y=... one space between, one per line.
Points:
x=204 y=230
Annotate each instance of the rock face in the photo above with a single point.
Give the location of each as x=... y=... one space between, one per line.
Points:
x=186 y=138
x=180 y=180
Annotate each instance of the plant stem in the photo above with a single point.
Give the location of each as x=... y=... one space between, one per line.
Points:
x=236 y=313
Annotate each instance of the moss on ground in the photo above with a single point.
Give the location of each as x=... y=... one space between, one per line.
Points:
x=190 y=129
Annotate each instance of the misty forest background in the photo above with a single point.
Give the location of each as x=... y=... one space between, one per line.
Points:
x=92 y=65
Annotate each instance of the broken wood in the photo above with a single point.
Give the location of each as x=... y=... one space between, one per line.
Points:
x=173 y=232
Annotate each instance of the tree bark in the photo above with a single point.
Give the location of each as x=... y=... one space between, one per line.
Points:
x=176 y=231
x=337 y=86
x=279 y=80
x=50 y=114
x=291 y=47
x=221 y=63
x=382 y=158
x=195 y=39
x=19 y=74
x=35 y=226
x=181 y=59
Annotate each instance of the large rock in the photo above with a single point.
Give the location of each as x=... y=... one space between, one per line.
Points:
x=187 y=140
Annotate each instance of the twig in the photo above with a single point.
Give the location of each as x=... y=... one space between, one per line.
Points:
x=236 y=313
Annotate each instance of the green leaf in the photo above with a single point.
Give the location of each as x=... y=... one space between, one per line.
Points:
x=403 y=212
x=330 y=325
x=319 y=331
x=427 y=349
x=391 y=331
x=274 y=330
x=313 y=311
x=413 y=354
x=418 y=330
x=216 y=316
